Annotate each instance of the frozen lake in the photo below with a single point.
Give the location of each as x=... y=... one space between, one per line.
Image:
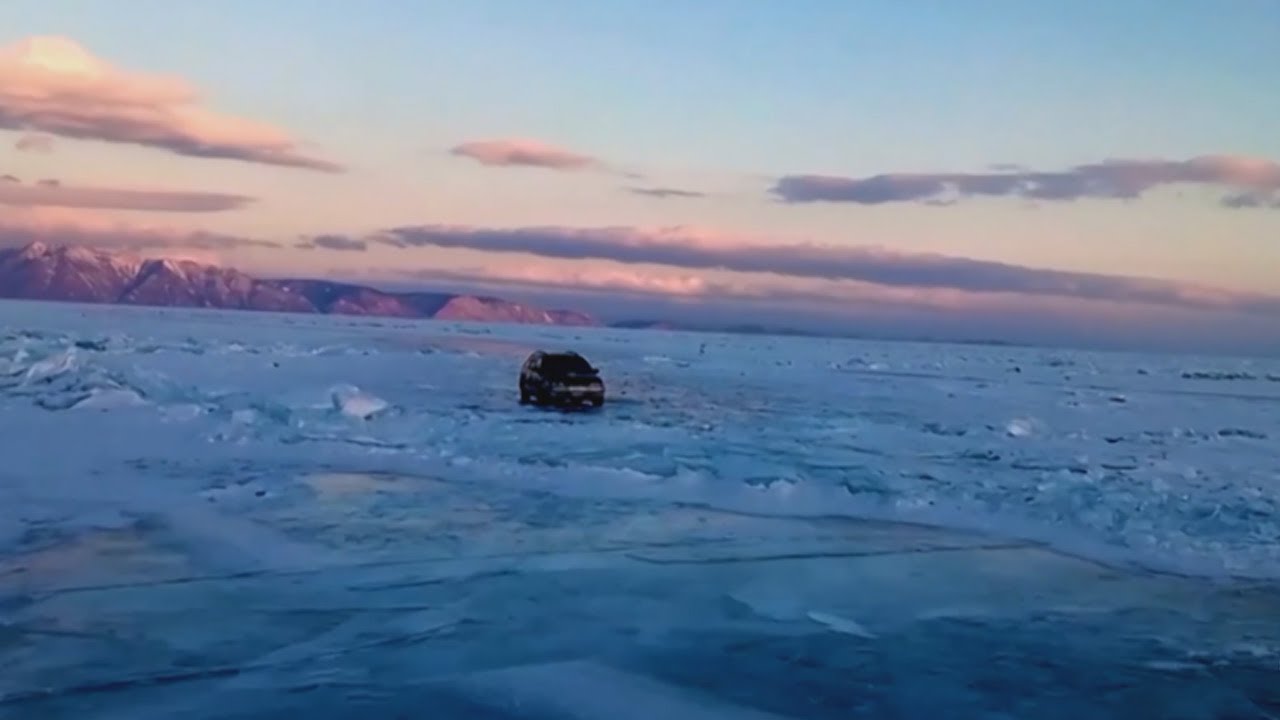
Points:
x=210 y=514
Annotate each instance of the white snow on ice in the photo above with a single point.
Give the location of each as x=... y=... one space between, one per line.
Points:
x=150 y=454
x=1115 y=456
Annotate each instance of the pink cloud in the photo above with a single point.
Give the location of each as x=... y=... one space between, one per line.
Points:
x=523 y=153
x=54 y=86
x=34 y=143
x=701 y=250
x=338 y=243
x=607 y=277
x=51 y=193
x=586 y=276
x=73 y=226
x=666 y=193
x=691 y=298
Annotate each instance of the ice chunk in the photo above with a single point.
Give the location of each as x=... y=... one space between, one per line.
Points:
x=840 y=624
x=1021 y=427
x=51 y=367
x=110 y=399
x=355 y=403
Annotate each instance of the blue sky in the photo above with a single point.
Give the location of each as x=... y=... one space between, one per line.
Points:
x=703 y=83
x=720 y=98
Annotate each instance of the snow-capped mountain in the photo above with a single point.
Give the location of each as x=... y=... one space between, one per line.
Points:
x=79 y=274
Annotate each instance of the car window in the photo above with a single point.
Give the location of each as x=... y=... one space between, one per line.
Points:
x=567 y=363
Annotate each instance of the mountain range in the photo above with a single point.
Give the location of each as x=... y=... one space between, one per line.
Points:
x=72 y=273
x=88 y=275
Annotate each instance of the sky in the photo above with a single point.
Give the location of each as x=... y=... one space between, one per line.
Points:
x=1083 y=173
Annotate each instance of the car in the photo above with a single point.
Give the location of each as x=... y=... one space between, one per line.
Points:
x=560 y=378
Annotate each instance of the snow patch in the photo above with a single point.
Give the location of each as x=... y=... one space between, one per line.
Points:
x=352 y=402
x=110 y=399
x=840 y=624
x=1021 y=427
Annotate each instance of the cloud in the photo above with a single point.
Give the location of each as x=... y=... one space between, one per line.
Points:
x=528 y=153
x=34 y=143
x=1241 y=201
x=603 y=280
x=51 y=85
x=53 y=193
x=664 y=193
x=544 y=276
x=61 y=226
x=339 y=243
x=524 y=153
x=685 y=248
x=1114 y=179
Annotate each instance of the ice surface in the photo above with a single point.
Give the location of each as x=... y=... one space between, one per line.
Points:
x=589 y=691
x=323 y=517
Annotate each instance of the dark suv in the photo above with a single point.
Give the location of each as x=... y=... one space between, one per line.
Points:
x=563 y=378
